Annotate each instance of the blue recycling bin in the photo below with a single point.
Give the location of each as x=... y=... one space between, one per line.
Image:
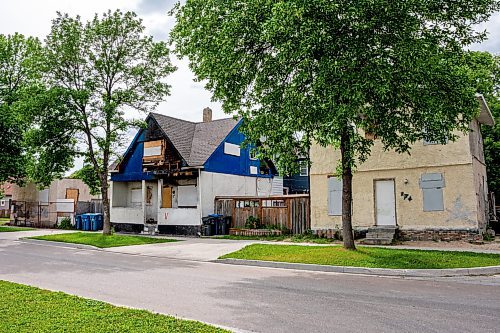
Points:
x=96 y=221
x=78 y=222
x=86 y=224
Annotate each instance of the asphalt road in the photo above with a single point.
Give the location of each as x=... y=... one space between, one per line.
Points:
x=258 y=299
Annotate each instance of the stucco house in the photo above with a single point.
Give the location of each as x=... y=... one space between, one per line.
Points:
x=172 y=171
x=6 y=199
x=64 y=197
x=437 y=192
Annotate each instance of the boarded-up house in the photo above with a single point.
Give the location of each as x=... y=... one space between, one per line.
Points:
x=174 y=169
x=439 y=192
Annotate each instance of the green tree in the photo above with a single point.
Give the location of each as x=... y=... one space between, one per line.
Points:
x=328 y=71
x=19 y=68
x=88 y=175
x=106 y=66
x=486 y=68
x=33 y=145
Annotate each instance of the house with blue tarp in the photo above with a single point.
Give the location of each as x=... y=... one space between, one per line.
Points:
x=173 y=170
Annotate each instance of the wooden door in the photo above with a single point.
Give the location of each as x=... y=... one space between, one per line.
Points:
x=166 y=197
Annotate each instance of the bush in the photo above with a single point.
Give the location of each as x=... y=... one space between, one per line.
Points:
x=253 y=223
x=65 y=224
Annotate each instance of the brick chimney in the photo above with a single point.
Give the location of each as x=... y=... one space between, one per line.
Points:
x=207 y=115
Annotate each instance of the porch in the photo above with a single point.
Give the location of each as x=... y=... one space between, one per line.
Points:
x=164 y=201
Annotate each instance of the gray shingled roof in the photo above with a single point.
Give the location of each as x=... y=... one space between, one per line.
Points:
x=195 y=141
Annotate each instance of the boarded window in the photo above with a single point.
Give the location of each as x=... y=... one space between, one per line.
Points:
x=334 y=196
x=432 y=185
x=166 y=197
x=153 y=148
x=136 y=195
x=187 y=196
x=231 y=149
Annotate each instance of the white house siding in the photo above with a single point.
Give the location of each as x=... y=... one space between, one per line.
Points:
x=127 y=215
x=218 y=184
x=179 y=216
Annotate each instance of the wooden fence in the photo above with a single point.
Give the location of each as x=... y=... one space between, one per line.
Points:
x=289 y=211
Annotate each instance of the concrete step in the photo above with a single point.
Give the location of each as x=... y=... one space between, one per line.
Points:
x=380 y=235
x=377 y=241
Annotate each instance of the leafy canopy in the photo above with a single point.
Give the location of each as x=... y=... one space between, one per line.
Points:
x=106 y=65
x=322 y=69
x=487 y=70
x=33 y=144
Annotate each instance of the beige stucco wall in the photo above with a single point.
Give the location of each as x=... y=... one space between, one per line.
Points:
x=57 y=190
x=453 y=160
x=25 y=193
x=460 y=206
x=324 y=159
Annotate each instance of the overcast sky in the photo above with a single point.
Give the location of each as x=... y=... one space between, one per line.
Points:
x=188 y=98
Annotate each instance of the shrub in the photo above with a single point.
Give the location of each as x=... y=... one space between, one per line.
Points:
x=65 y=224
x=253 y=223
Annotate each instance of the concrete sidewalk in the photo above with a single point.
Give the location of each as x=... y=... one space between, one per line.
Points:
x=15 y=235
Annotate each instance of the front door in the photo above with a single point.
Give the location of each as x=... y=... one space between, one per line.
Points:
x=151 y=202
x=385 y=202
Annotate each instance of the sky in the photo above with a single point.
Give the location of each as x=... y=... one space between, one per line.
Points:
x=188 y=98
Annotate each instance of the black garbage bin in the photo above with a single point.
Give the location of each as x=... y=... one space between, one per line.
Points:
x=208 y=227
x=218 y=224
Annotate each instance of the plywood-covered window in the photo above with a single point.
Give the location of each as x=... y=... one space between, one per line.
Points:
x=136 y=195
x=166 y=197
x=432 y=185
x=334 y=196
x=153 y=148
x=187 y=196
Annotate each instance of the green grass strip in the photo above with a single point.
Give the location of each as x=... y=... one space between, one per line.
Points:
x=13 y=229
x=97 y=239
x=371 y=257
x=28 y=309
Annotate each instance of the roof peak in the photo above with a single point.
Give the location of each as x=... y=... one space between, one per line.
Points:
x=188 y=121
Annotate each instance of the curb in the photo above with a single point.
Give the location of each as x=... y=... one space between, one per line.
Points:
x=476 y=271
x=60 y=244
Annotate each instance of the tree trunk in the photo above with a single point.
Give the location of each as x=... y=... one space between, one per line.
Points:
x=345 y=149
x=106 y=230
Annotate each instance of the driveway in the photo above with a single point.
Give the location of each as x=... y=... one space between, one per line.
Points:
x=196 y=249
x=258 y=299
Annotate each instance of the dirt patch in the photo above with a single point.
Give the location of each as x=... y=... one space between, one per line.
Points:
x=494 y=245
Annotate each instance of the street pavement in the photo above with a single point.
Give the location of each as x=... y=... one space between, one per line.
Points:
x=253 y=299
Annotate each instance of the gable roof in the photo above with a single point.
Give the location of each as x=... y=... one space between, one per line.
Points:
x=195 y=142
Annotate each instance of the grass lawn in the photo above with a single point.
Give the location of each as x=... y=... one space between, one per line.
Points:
x=365 y=257
x=4 y=228
x=28 y=309
x=4 y=220
x=287 y=238
x=99 y=240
